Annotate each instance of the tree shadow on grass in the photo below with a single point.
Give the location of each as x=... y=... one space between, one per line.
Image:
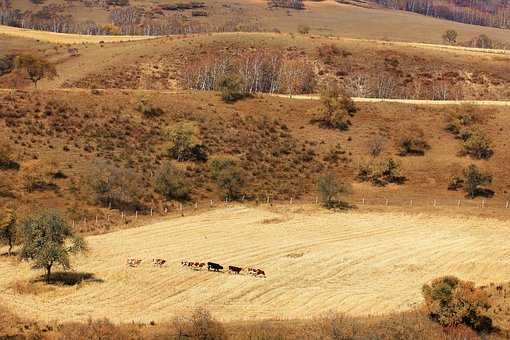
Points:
x=6 y=254
x=69 y=278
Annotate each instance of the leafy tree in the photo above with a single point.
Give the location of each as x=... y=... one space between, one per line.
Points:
x=186 y=145
x=452 y=302
x=330 y=187
x=228 y=176
x=36 y=68
x=337 y=106
x=8 y=229
x=474 y=178
x=171 y=183
x=48 y=240
x=450 y=37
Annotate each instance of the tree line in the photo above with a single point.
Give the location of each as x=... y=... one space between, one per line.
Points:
x=490 y=13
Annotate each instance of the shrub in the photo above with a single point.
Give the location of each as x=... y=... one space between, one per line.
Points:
x=337 y=106
x=467 y=116
x=455 y=183
x=231 y=89
x=186 y=145
x=37 y=177
x=376 y=146
x=8 y=227
x=380 y=172
x=171 y=183
x=452 y=302
x=477 y=144
x=228 y=176
x=114 y=186
x=148 y=110
x=330 y=188
x=473 y=179
x=412 y=142
x=450 y=37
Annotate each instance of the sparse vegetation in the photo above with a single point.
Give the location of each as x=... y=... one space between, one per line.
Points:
x=8 y=228
x=453 y=302
x=231 y=89
x=477 y=144
x=7 y=161
x=450 y=37
x=148 y=110
x=47 y=241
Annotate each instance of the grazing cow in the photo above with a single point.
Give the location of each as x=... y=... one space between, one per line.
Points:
x=184 y=263
x=214 y=266
x=158 y=262
x=234 y=269
x=260 y=272
x=132 y=262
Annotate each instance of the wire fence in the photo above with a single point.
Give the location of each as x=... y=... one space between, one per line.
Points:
x=107 y=219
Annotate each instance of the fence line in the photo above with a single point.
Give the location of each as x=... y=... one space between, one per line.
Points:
x=112 y=217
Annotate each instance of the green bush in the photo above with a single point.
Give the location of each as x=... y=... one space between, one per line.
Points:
x=228 y=176
x=148 y=110
x=171 y=183
x=185 y=144
x=232 y=89
x=478 y=145
x=452 y=302
x=473 y=179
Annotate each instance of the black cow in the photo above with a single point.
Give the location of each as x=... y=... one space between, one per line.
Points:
x=234 y=269
x=214 y=266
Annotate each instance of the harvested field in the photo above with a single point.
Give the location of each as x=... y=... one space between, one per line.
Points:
x=359 y=263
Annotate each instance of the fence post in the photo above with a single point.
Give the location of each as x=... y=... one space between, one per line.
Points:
x=122 y=215
x=506 y=206
x=268 y=199
x=387 y=202
x=316 y=200
x=291 y=199
x=136 y=214
x=458 y=204
x=166 y=210
x=411 y=203
x=73 y=224
x=96 y=220
x=435 y=203
x=211 y=203
x=363 y=201
x=151 y=212
x=107 y=217
x=483 y=204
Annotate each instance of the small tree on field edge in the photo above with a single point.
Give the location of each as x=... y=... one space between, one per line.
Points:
x=35 y=68
x=330 y=188
x=47 y=241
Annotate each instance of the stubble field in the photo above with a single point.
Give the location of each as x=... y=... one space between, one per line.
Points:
x=359 y=263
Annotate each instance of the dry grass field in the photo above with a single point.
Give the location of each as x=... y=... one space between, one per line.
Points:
x=359 y=263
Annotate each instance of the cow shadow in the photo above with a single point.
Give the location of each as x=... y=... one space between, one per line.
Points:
x=70 y=278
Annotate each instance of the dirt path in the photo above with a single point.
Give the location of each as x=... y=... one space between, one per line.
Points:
x=64 y=38
x=359 y=263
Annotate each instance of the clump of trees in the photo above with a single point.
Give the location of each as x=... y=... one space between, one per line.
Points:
x=47 y=241
x=35 y=68
x=466 y=126
x=249 y=73
x=331 y=188
x=453 y=302
x=171 y=183
x=227 y=174
x=380 y=171
x=114 y=186
x=472 y=180
x=185 y=144
x=336 y=108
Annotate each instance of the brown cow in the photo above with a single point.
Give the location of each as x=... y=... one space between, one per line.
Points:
x=234 y=269
x=159 y=262
x=132 y=262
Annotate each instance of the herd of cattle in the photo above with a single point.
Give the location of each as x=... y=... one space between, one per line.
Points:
x=211 y=266
x=215 y=267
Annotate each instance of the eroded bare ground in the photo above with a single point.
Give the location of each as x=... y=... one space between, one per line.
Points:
x=360 y=263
